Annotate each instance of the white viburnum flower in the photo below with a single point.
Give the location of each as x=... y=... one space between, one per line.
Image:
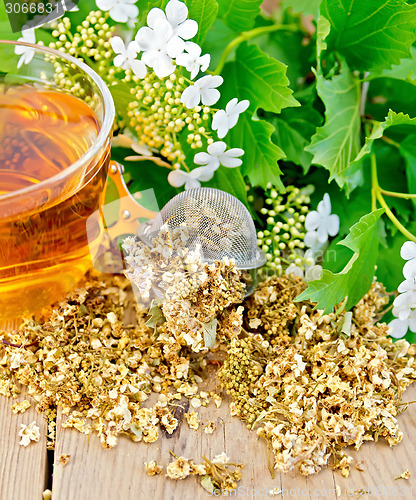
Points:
x=126 y=57
x=311 y=240
x=178 y=178
x=321 y=220
x=159 y=47
x=217 y=155
x=224 y=120
x=192 y=59
x=406 y=300
x=204 y=89
x=120 y=11
x=408 y=252
x=27 y=53
x=176 y=15
x=399 y=327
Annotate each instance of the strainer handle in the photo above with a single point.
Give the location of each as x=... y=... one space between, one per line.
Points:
x=130 y=209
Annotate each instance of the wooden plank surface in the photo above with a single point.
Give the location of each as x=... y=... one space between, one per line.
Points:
x=93 y=473
x=23 y=471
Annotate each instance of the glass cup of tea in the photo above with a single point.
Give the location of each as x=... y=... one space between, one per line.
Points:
x=56 y=121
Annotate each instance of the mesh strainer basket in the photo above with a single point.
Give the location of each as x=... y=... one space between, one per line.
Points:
x=215 y=220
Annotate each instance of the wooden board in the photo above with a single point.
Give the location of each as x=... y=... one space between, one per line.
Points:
x=23 y=471
x=93 y=473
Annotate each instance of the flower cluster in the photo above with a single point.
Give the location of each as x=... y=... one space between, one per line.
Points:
x=166 y=109
x=219 y=474
x=320 y=224
x=196 y=296
x=159 y=70
x=91 y=41
x=112 y=368
x=177 y=102
x=314 y=384
x=283 y=238
x=405 y=303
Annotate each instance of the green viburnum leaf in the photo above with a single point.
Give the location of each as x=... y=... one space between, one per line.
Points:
x=289 y=48
x=303 y=6
x=405 y=70
x=372 y=34
x=262 y=79
x=353 y=282
x=204 y=13
x=294 y=129
x=261 y=155
x=146 y=5
x=122 y=97
x=239 y=15
x=337 y=143
x=218 y=37
x=253 y=136
x=6 y=32
x=408 y=151
x=379 y=128
x=230 y=180
x=3 y=14
x=210 y=333
x=322 y=31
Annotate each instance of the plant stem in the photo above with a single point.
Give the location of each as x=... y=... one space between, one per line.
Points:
x=248 y=35
x=390 y=141
x=377 y=194
x=364 y=92
x=374 y=182
x=406 y=196
x=393 y=218
x=154 y=159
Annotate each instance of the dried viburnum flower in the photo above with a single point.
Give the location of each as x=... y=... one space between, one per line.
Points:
x=152 y=468
x=29 y=433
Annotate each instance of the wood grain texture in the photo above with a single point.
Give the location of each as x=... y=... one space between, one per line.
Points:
x=118 y=474
x=23 y=471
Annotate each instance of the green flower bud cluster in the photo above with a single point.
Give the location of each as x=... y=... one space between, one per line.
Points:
x=283 y=216
x=90 y=42
x=238 y=376
x=158 y=117
x=155 y=112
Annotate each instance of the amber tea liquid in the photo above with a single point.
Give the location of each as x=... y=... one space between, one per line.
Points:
x=44 y=248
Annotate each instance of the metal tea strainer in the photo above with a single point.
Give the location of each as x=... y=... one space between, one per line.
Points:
x=218 y=222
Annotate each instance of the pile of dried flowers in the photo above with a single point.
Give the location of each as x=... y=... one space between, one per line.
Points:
x=85 y=359
x=311 y=384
